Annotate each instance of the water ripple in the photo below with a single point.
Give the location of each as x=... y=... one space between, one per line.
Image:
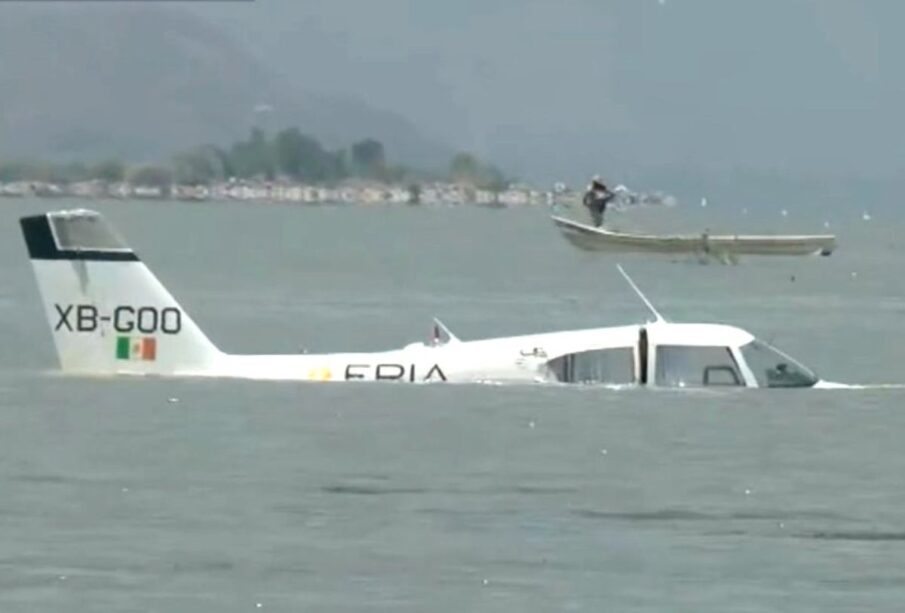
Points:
x=691 y=515
x=371 y=490
x=853 y=535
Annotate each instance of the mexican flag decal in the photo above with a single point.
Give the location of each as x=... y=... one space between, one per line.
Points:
x=135 y=348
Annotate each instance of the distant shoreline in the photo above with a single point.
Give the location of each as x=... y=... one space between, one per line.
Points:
x=351 y=193
x=347 y=193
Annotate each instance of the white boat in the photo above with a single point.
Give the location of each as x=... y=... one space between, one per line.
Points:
x=109 y=315
x=589 y=238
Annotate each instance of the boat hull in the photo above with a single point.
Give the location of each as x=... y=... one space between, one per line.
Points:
x=590 y=238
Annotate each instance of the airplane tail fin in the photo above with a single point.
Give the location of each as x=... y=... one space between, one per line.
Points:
x=107 y=312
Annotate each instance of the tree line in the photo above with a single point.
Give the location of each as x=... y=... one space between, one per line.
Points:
x=289 y=154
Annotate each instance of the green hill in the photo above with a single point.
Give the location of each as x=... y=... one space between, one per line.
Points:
x=144 y=82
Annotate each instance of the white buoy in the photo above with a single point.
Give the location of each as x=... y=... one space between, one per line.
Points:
x=531 y=424
x=865 y=216
x=703 y=202
x=785 y=213
x=173 y=400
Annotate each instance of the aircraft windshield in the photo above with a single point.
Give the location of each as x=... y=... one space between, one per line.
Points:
x=772 y=368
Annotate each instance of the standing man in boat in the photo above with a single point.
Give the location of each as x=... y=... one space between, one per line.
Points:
x=596 y=199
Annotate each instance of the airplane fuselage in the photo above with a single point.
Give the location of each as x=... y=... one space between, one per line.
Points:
x=109 y=315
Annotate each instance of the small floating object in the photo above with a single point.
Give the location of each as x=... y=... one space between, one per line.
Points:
x=531 y=424
x=785 y=213
x=173 y=400
x=703 y=202
x=865 y=216
x=826 y=224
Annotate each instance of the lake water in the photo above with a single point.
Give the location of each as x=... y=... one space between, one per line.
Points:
x=380 y=497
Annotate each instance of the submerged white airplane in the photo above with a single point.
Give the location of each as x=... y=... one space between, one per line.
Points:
x=111 y=316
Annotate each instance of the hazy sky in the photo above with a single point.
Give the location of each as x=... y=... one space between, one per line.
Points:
x=552 y=88
x=814 y=85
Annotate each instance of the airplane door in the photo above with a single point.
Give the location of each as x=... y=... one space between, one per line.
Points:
x=643 y=352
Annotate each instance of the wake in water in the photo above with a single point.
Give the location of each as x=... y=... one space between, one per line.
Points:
x=614 y=387
x=827 y=385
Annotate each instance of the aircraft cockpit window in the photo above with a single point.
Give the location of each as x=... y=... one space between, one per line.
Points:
x=687 y=366
x=609 y=366
x=773 y=368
